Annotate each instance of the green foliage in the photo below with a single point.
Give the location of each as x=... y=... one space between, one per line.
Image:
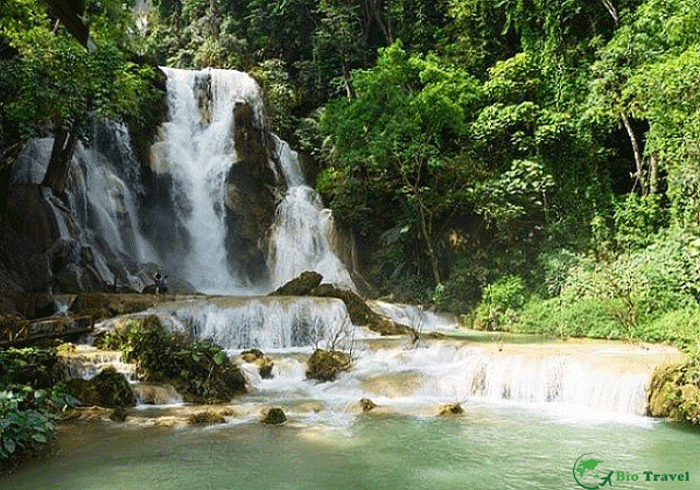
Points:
x=200 y=370
x=54 y=84
x=30 y=398
x=648 y=293
x=500 y=303
x=29 y=366
x=395 y=146
x=280 y=97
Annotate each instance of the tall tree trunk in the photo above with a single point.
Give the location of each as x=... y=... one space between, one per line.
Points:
x=349 y=89
x=610 y=7
x=376 y=11
x=426 y=231
x=638 y=157
x=61 y=154
x=653 y=175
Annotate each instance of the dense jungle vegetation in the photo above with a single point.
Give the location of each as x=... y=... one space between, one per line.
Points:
x=530 y=164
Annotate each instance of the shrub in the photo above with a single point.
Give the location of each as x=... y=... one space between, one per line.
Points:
x=200 y=370
x=27 y=414
x=500 y=303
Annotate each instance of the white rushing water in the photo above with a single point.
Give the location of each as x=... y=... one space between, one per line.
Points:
x=102 y=208
x=408 y=379
x=302 y=229
x=200 y=156
x=201 y=152
x=265 y=322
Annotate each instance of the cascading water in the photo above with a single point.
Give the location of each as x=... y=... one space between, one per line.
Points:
x=200 y=147
x=200 y=152
x=588 y=382
x=101 y=209
x=300 y=239
x=265 y=322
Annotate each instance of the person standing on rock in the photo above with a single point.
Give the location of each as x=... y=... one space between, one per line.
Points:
x=159 y=279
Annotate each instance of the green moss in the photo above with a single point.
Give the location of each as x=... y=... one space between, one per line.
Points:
x=325 y=365
x=107 y=389
x=674 y=392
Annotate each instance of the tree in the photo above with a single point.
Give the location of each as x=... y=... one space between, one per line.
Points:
x=399 y=139
x=55 y=86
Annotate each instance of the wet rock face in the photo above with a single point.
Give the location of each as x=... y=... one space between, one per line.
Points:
x=325 y=365
x=249 y=196
x=203 y=96
x=301 y=285
x=27 y=232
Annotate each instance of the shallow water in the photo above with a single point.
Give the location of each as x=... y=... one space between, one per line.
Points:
x=490 y=446
x=531 y=411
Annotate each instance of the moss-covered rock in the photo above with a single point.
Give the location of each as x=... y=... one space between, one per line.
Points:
x=361 y=314
x=206 y=417
x=273 y=415
x=451 y=409
x=106 y=389
x=263 y=362
x=674 y=392
x=325 y=365
x=199 y=370
x=301 y=285
x=367 y=405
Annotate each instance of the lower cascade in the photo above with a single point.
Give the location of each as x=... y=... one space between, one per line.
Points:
x=445 y=372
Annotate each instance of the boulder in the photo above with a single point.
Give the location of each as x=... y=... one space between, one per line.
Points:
x=263 y=362
x=118 y=414
x=272 y=416
x=325 y=365
x=674 y=392
x=206 y=417
x=366 y=404
x=302 y=285
x=107 y=389
x=361 y=314
x=451 y=409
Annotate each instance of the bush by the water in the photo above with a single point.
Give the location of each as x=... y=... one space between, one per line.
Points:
x=200 y=370
x=325 y=365
x=30 y=399
x=649 y=294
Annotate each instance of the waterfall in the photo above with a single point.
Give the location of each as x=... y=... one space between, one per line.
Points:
x=101 y=207
x=264 y=322
x=444 y=373
x=201 y=152
x=302 y=230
